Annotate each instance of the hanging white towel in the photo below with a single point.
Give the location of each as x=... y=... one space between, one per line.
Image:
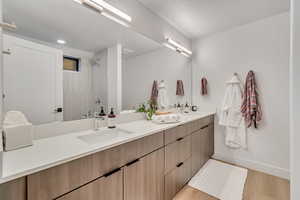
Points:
x=231 y=117
x=162 y=99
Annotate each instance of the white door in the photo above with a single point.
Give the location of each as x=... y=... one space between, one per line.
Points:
x=32 y=79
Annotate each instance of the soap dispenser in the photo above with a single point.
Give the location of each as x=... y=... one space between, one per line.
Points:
x=111 y=119
x=99 y=118
x=102 y=113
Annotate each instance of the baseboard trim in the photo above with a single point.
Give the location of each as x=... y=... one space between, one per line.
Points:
x=254 y=165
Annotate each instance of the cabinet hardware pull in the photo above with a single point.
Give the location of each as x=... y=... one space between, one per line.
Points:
x=132 y=162
x=179 y=139
x=179 y=164
x=112 y=172
x=204 y=127
x=6 y=52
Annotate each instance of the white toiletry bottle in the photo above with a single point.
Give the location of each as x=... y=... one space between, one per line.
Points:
x=111 y=119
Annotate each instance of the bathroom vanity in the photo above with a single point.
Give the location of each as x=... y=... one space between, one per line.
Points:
x=154 y=164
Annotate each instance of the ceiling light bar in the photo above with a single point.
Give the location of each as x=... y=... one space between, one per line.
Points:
x=178 y=46
x=112 y=9
x=169 y=46
x=105 y=9
x=92 y=5
x=115 y=19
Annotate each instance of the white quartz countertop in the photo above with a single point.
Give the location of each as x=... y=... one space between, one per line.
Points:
x=53 y=151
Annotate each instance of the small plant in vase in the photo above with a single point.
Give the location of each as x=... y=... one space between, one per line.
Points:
x=148 y=108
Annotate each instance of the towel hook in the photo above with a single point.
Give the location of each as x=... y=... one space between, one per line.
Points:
x=8 y=26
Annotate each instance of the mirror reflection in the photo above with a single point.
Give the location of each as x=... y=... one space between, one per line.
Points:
x=60 y=67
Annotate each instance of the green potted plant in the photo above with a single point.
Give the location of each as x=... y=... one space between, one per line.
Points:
x=148 y=108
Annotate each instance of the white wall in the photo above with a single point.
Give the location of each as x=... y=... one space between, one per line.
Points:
x=295 y=99
x=262 y=46
x=114 y=78
x=147 y=23
x=163 y=64
x=77 y=86
x=99 y=78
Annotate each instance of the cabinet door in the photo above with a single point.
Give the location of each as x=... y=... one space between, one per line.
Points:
x=202 y=147
x=177 y=178
x=211 y=140
x=13 y=190
x=197 y=153
x=109 y=187
x=32 y=65
x=144 y=178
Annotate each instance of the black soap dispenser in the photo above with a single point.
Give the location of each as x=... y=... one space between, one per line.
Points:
x=111 y=119
x=102 y=113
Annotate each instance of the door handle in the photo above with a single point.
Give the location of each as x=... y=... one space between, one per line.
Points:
x=58 y=110
x=132 y=162
x=204 y=127
x=112 y=172
x=179 y=164
x=7 y=52
x=179 y=139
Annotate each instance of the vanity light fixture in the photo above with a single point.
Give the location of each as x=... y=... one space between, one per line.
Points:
x=107 y=10
x=61 y=41
x=115 y=19
x=169 y=46
x=175 y=46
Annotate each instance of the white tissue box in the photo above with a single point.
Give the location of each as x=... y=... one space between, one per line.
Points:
x=16 y=137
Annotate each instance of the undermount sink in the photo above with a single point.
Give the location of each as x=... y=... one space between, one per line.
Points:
x=104 y=135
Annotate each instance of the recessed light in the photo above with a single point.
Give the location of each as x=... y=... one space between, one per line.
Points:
x=61 y=42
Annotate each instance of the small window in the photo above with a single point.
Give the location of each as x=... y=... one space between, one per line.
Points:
x=71 y=64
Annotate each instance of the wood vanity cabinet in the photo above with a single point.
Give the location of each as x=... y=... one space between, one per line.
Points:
x=153 y=167
x=144 y=178
x=105 y=188
x=54 y=182
x=14 y=190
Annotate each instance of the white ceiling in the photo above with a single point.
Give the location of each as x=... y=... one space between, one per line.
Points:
x=82 y=28
x=196 y=18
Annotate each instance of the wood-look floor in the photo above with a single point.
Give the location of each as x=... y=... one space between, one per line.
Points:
x=259 y=186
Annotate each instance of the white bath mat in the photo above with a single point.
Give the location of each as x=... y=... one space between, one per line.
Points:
x=220 y=180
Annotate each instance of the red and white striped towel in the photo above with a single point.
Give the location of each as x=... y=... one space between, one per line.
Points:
x=250 y=107
x=154 y=93
x=180 y=88
x=204 y=86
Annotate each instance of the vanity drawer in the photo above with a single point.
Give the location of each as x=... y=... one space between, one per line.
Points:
x=56 y=181
x=171 y=135
x=199 y=123
x=206 y=121
x=177 y=152
x=139 y=148
x=110 y=187
x=177 y=179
